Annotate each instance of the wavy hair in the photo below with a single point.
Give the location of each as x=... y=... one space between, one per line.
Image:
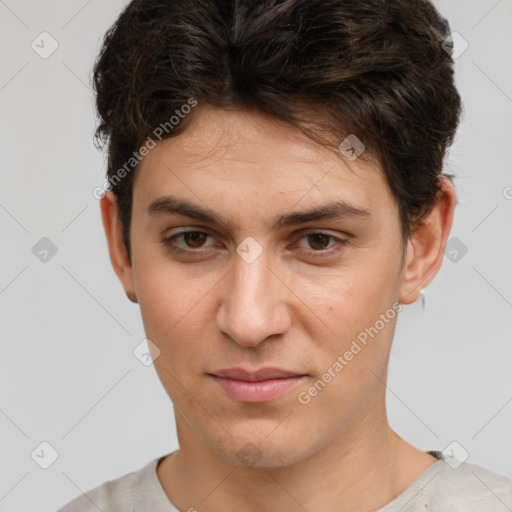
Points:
x=375 y=68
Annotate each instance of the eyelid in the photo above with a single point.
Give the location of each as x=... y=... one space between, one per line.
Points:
x=341 y=242
x=314 y=231
x=169 y=241
x=169 y=238
x=187 y=229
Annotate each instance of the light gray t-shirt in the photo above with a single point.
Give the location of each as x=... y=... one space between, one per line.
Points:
x=446 y=486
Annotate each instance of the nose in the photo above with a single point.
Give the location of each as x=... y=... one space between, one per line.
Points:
x=254 y=303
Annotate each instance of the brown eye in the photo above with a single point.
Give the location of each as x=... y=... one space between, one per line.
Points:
x=318 y=241
x=189 y=242
x=195 y=239
x=319 y=244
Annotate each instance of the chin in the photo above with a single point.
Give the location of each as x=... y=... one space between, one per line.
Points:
x=256 y=448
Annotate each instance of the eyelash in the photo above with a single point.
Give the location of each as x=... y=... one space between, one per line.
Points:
x=170 y=244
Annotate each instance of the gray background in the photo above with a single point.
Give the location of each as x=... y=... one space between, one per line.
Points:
x=68 y=375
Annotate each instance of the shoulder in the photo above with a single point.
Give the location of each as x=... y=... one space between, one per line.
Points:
x=468 y=487
x=111 y=496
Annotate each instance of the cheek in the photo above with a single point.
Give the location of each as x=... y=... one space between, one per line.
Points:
x=352 y=361
x=167 y=291
x=360 y=311
x=347 y=303
x=174 y=312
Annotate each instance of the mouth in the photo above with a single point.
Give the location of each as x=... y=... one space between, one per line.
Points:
x=263 y=385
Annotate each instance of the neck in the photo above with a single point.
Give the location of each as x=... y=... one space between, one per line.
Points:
x=366 y=455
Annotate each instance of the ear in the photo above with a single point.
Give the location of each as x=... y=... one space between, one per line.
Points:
x=116 y=248
x=425 y=249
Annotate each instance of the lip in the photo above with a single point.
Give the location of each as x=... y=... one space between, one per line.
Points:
x=263 y=385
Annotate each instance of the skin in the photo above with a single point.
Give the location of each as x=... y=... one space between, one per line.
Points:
x=210 y=310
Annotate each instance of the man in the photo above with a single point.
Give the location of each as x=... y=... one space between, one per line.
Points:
x=274 y=196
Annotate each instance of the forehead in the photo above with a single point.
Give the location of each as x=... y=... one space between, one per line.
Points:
x=249 y=161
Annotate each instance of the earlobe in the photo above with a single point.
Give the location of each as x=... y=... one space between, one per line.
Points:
x=132 y=297
x=117 y=250
x=425 y=248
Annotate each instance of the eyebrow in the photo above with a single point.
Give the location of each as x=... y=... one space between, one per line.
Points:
x=334 y=210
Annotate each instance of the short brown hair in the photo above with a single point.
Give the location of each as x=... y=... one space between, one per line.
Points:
x=378 y=69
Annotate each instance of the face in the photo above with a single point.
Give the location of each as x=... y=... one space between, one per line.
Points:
x=268 y=273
